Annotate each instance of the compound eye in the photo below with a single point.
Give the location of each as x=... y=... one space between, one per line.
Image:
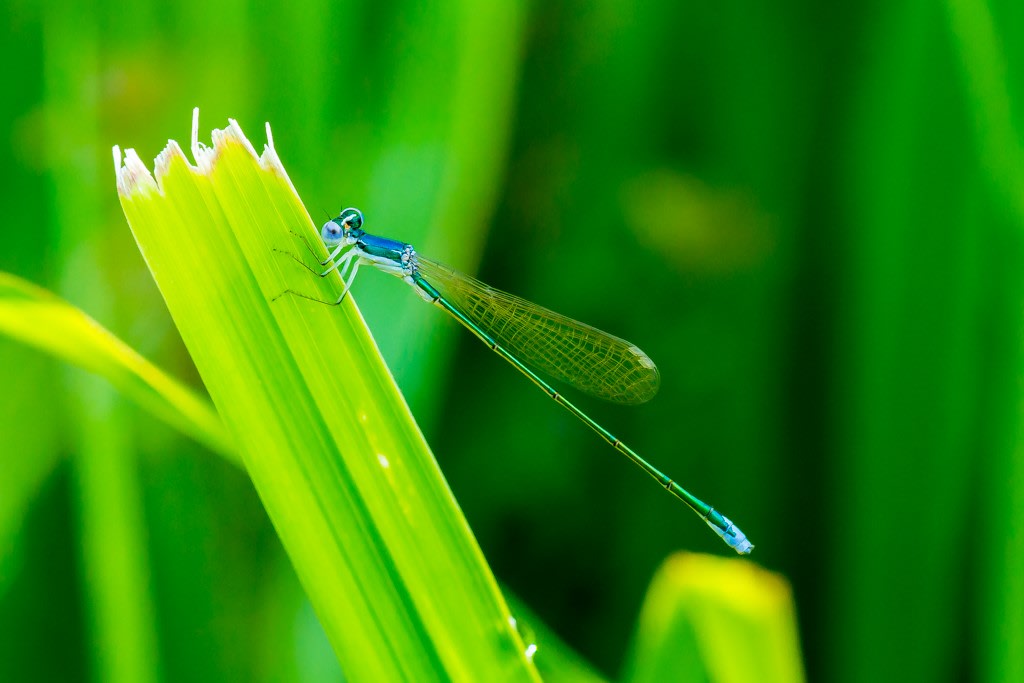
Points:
x=332 y=232
x=352 y=217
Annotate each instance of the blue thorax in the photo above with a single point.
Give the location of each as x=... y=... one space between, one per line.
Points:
x=380 y=246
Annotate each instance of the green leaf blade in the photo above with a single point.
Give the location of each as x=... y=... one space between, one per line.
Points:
x=716 y=619
x=385 y=555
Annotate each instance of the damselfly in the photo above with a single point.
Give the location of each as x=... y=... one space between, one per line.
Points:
x=526 y=335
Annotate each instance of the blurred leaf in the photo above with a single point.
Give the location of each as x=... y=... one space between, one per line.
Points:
x=433 y=177
x=980 y=47
x=30 y=452
x=378 y=542
x=986 y=39
x=113 y=566
x=38 y=318
x=912 y=361
x=722 y=620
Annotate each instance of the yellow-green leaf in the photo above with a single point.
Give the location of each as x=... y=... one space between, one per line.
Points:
x=376 y=538
x=717 y=619
x=40 y=319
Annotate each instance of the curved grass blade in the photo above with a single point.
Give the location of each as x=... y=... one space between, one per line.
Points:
x=38 y=318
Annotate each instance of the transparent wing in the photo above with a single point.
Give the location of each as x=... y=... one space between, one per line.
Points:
x=590 y=360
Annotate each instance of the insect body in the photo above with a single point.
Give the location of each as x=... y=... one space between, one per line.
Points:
x=526 y=335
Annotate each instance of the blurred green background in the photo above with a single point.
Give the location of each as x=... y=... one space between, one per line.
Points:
x=810 y=217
